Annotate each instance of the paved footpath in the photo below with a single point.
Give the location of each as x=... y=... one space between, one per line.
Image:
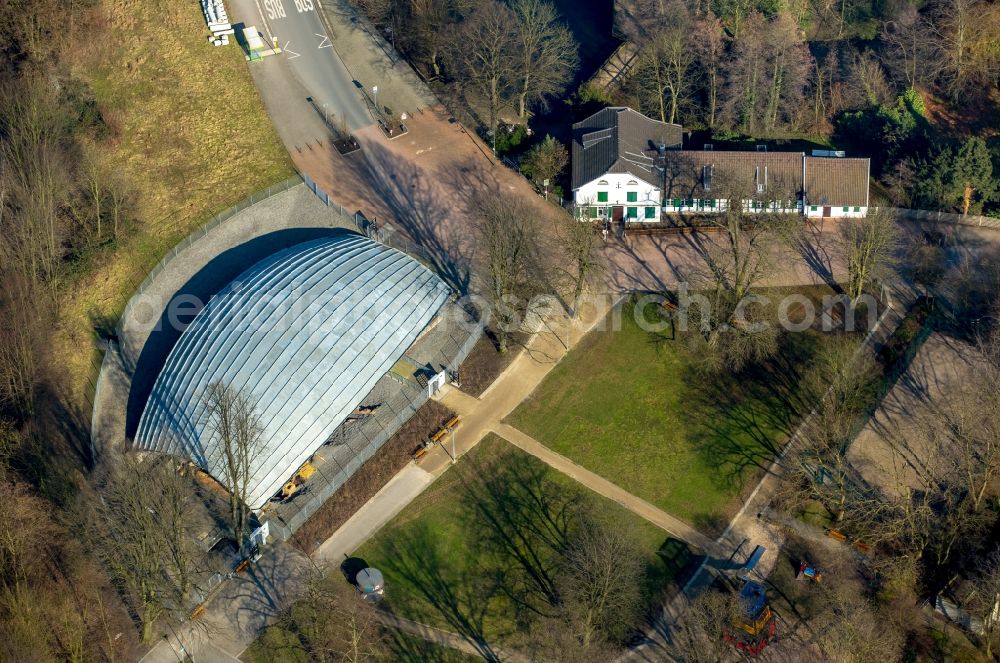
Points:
x=601 y=486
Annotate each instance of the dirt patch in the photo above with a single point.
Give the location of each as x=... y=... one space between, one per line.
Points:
x=891 y=451
x=347 y=145
x=485 y=364
x=391 y=457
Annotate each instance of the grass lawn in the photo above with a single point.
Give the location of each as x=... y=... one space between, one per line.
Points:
x=276 y=643
x=442 y=567
x=629 y=406
x=190 y=136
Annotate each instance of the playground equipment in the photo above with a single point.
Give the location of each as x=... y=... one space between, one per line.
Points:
x=810 y=572
x=755 y=625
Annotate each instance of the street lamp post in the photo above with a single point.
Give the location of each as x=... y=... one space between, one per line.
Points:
x=375 y=94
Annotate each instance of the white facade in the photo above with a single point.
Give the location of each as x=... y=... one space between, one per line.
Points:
x=640 y=199
x=837 y=211
x=707 y=206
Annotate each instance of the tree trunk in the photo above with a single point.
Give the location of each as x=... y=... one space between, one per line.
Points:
x=712 y=87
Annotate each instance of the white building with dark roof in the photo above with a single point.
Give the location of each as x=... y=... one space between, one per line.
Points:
x=629 y=167
x=616 y=159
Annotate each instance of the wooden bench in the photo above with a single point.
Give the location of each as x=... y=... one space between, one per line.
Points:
x=420 y=453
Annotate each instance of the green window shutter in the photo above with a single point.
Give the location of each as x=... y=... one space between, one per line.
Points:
x=677 y=202
x=602 y=196
x=813 y=208
x=650 y=212
x=633 y=212
x=711 y=202
x=632 y=196
x=857 y=209
x=689 y=202
x=592 y=212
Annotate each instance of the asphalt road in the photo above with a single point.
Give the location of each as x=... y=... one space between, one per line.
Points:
x=309 y=57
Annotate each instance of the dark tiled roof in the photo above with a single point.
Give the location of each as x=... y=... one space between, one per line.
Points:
x=836 y=181
x=620 y=140
x=734 y=173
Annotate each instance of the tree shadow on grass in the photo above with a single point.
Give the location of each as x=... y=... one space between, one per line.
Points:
x=740 y=421
x=516 y=524
x=412 y=649
x=456 y=594
x=522 y=522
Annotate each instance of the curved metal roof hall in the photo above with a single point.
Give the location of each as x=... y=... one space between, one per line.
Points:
x=304 y=334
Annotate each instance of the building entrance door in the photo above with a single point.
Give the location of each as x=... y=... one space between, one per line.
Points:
x=827 y=210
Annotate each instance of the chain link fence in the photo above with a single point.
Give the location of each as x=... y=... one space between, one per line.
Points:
x=395 y=399
x=947 y=217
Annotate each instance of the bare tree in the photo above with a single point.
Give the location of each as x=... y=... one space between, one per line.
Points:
x=665 y=69
x=982 y=603
x=870 y=246
x=334 y=623
x=966 y=428
x=868 y=75
x=237 y=428
x=508 y=244
x=731 y=325
x=601 y=584
x=746 y=74
x=175 y=504
x=839 y=385
x=21 y=326
x=33 y=166
x=131 y=542
x=823 y=74
x=698 y=636
x=547 y=53
x=429 y=20
x=709 y=46
x=485 y=54
x=962 y=32
x=858 y=631
x=789 y=62
x=579 y=240
x=909 y=53
x=767 y=73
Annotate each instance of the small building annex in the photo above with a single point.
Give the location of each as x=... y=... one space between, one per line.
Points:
x=304 y=335
x=630 y=167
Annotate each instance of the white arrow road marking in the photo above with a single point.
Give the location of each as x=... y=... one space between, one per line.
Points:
x=293 y=53
x=326 y=41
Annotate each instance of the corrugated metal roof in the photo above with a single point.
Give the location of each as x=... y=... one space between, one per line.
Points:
x=619 y=140
x=304 y=334
x=733 y=172
x=836 y=181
